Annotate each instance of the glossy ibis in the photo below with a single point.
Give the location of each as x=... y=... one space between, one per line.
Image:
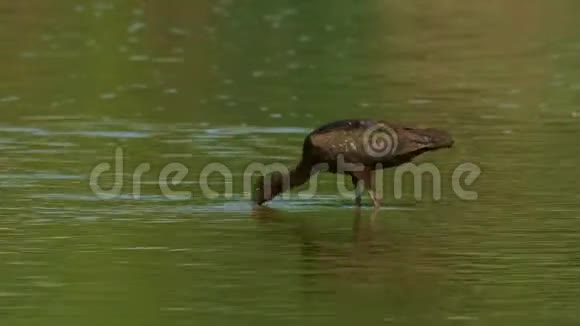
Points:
x=355 y=148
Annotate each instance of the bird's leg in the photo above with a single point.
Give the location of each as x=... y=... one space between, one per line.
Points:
x=375 y=196
x=367 y=178
x=358 y=188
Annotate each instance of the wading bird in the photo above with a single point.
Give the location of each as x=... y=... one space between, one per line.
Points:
x=355 y=148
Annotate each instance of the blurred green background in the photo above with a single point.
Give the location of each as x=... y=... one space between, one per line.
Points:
x=238 y=82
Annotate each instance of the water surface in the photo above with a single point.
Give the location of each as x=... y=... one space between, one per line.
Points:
x=237 y=83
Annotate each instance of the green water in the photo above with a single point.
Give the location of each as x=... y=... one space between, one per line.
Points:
x=237 y=82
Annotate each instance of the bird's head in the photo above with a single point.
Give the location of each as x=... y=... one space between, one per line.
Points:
x=267 y=187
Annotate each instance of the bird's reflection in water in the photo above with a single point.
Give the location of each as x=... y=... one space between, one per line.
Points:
x=366 y=252
x=321 y=243
x=324 y=251
x=363 y=227
x=266 y=214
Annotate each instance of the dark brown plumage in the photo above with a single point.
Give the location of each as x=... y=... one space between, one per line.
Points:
x=355 y=148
